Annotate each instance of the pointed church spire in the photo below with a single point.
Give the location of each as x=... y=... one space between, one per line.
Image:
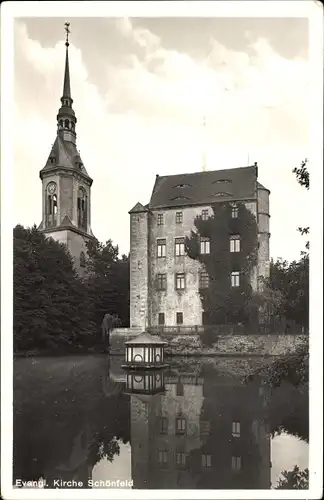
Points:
x=66 y=85
x=66 y=119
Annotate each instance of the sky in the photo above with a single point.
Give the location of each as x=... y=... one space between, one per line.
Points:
x=141 y=87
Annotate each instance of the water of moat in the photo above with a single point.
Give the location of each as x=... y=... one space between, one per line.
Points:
x=77 y=419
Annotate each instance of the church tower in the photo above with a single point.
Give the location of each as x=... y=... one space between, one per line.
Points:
x=66 y=185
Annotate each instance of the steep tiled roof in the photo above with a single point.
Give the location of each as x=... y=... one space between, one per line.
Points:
x=66 y=221
x=260 y=186
x=65 y=154
x=146 y=338
x=204 y=187
x=138 y=208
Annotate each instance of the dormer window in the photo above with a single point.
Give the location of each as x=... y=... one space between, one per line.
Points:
x=52 y=159
x=222 y=181
x=178 y=198
x=182 y=186
x=222 y=193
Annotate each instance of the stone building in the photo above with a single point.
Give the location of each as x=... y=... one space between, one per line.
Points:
x=66 y=185
x=165 y=282
x=203 y=432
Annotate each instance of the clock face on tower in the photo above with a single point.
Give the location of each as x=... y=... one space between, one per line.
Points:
x=51 y=188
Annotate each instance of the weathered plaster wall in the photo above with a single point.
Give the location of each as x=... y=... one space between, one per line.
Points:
x=264 y=232
x=138 y=269
x=172 y=301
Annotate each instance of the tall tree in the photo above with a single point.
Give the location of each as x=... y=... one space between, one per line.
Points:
x=302 y=175
x=221 y=301
x=291 y=281
x=107 y=282
x=50 y=305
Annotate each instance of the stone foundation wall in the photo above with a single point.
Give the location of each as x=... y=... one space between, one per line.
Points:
x=231 y=345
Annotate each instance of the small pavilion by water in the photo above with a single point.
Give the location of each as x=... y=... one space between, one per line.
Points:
x=145 y=352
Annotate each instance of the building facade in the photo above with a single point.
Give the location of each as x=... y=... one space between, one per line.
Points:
x=201 y=433
x=164 y=281
x=66 y=185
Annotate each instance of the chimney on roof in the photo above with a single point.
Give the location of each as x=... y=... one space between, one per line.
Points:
x=255 y=163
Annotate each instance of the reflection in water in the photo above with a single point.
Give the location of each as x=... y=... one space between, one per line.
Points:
x=85 y=421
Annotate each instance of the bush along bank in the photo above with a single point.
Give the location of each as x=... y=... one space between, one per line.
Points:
x=232 y=345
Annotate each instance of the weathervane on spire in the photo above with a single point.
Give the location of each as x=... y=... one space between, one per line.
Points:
x=67 y=29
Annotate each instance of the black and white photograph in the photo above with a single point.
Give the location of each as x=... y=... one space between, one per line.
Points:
x=160 y=165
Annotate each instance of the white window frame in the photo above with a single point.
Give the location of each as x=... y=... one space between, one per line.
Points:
x=236 y=463
x=235 y=279
x=181 y=458
x=182 y=428
x=235 y=243
x=180 y=278
x=206 y=460
x=179 y=246
x=163 y=456
x=204 y=246
x=205 y=214
x=234 y=211
x=161 y=248
x=236 y=429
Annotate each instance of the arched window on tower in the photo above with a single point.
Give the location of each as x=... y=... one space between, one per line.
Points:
x=61 y=123
x=82 y=209
x=51 y=208
x=66 y=123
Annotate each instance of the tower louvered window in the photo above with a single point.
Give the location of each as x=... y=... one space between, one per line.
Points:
x=82 y=209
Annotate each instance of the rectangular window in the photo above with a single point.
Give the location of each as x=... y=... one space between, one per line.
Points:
x=205 y=318
x=163 y=456
x=161 y=318
x=204 y=214
x=180 y=281
x=179 y=247
x=235 y=243
x=206 y=460
x=179 y=390
x=235 y=278
x=179 y=217
x=234 y=212
x=180 y=318
x=161 y=281
x=204 y=428
x=236 y=463
x=163 y=425
x=181 y=425
x=236 y=429
x=204 y=245
x=161 y=248
x=160 y=220
x=203 y=279
x=181 y=458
